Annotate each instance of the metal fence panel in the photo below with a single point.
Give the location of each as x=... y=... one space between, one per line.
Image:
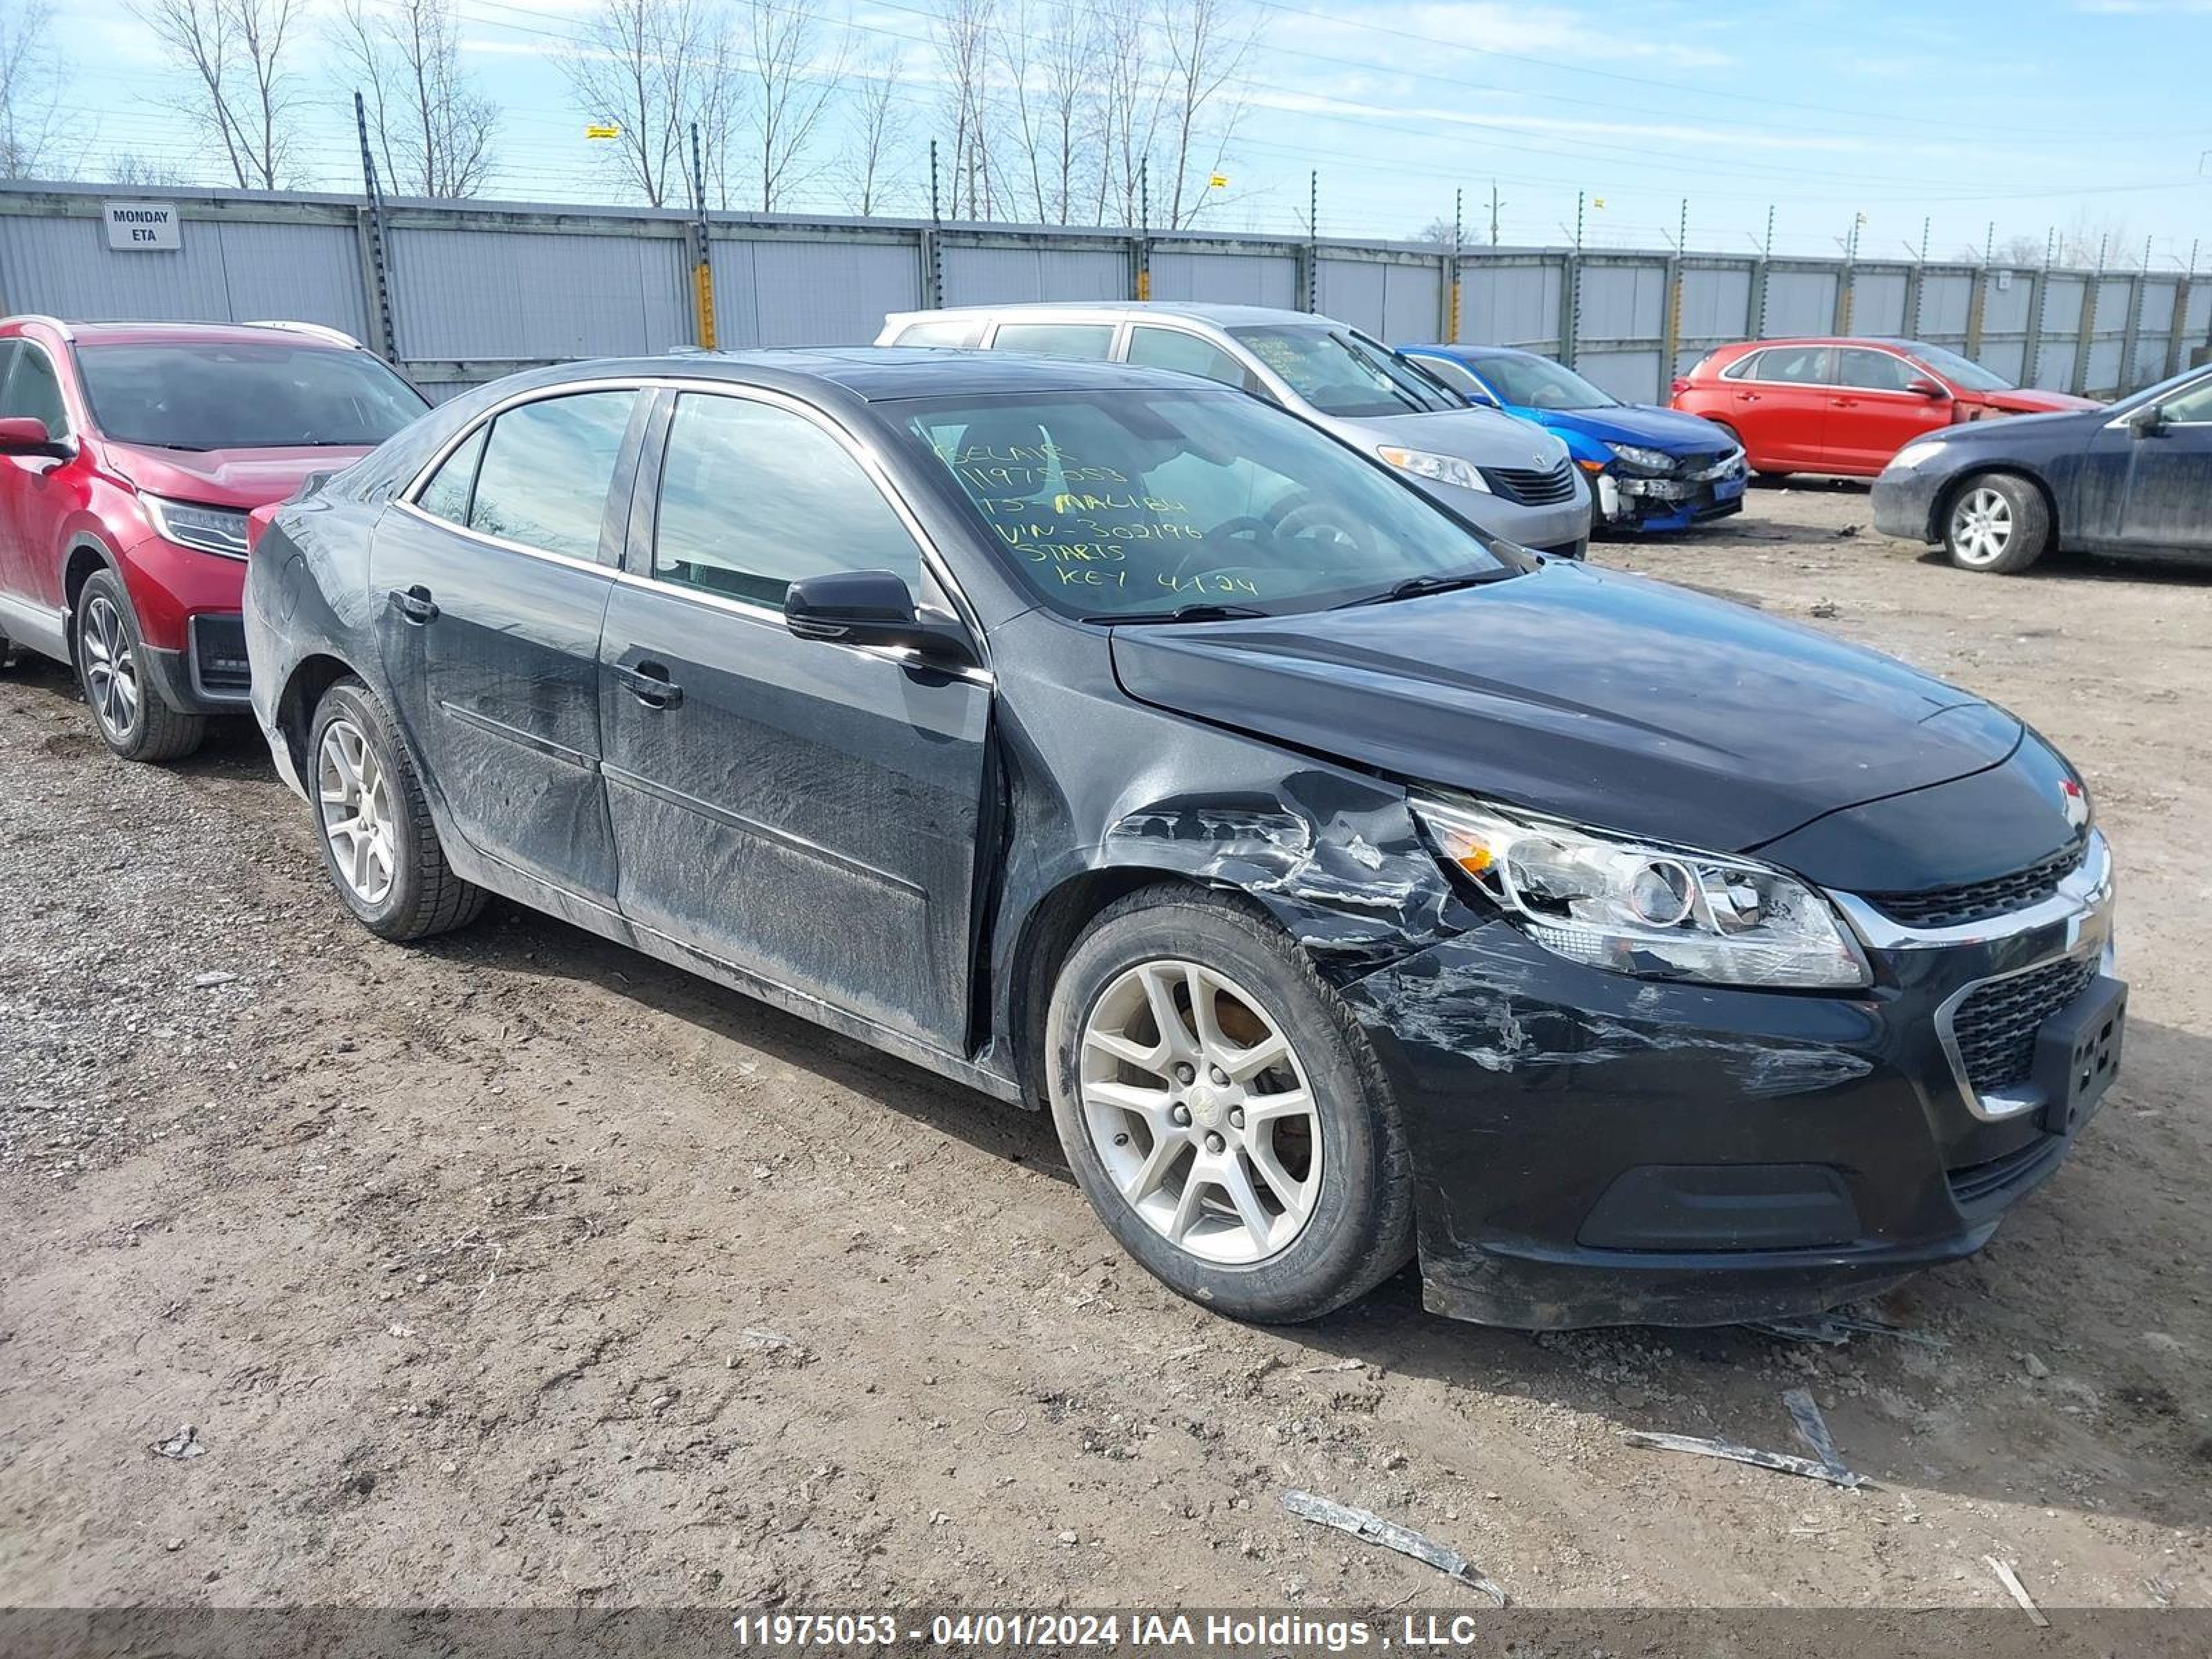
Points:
x=811 y=292
x=2009 y=303
x=1510 y=302
x=2199 y=318
x=1225 y=278
x=493 y=293
x=226 y=271
x=2061 y=306
x=1947 y=299
x=1621 y=302
x=1629 y=375
x=1391 y=300
x=1799 y=301
x=1878 y=302
x=1716 y=303
x=1011 y=275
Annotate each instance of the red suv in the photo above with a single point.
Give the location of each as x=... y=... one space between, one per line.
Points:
x=1846 y=405
x=130 y=454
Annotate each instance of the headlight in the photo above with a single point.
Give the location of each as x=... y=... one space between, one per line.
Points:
x=1913 y=454
x=1655 y=911
x=210 y=529
x=1643 y=459
x=1444 y=469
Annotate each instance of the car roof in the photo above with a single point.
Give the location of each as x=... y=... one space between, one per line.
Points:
x=884 y=374
x=151 y=333
x=1228 y=316
x=1898 y=342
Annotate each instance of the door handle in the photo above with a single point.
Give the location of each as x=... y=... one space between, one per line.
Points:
x=1746 y=397
x=415 y=603
x=649 y=683
x=1845 y=403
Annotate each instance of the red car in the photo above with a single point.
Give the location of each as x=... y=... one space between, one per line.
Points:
x=1846 y=405
x=130 y=454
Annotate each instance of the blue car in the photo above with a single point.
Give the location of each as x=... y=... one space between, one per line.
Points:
x=1649 y=469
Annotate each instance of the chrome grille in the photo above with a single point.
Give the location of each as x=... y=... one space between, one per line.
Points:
x=1995 y=1027
x=1530 y=487
x=1954 y=907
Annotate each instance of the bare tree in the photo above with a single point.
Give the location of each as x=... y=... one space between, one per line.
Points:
x=790 y=83
x=1130 y=106
x=234 y=53
x=432 y=130
x=878 y=140
x=31 y=76
x=962 y=36
x=138 y=173
x=1049 y=65
x=1205 y=44
x=652 y=68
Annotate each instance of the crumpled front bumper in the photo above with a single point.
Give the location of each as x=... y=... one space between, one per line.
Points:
x=1592 y=1148
x=1643 y=505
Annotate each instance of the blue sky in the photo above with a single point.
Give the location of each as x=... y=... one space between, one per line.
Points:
x=2089 y=115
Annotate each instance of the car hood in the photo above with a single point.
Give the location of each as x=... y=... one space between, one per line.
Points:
x=2028 y=400
x=1641 y=424
x=243 y=478
x=1483 y=437
x=1605 y=698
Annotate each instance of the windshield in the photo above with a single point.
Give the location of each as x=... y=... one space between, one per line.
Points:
x=1540 y=383
x=1958 y=371
x=1340 y=373
x=253 y=396
x=1120 y=504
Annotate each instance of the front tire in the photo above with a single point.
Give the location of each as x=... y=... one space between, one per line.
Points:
x=1222 y=1111
x=380 y=846
x=127 y=707
x=1997 y=524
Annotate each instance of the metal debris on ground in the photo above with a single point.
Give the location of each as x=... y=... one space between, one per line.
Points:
x=1832 y=1330
x=184 y=1443
x=1812 y=1428
x=2010 y=1580
x=1780 y=1462
x=209 y=981
x=1372 y=1529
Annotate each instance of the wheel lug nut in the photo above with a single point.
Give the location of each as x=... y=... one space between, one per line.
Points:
x=1236 y=1118
x=1181 y=1114
x=1219 y=1077
x=1184 y=1074
x=1122 y=1140
x=1214 y=1142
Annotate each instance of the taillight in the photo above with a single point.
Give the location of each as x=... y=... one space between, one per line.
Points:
x=257 y=521
x=1680 y=386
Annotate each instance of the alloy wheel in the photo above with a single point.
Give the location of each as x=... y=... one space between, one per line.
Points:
x=355 y=803
x=1981 y=526
x=1197 y=1105
x=111 y=669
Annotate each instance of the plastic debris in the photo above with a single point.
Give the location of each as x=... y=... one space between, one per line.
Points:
x=2010 y=1580
x=1812 y=1428
x=1372 y=1529
x=1832 y=1330
x=1780 y=1462
x=184 y=1443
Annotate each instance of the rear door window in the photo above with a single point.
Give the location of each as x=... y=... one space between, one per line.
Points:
x=447 y=496
x=955 y=333
x=1089 y=342
x=546 y=470
x=1793 y=365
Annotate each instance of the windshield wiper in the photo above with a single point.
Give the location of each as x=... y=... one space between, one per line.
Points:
x=1414 y=587
x=1183 y=613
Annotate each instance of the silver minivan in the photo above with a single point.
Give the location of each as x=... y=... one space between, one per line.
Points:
x=1509 y=475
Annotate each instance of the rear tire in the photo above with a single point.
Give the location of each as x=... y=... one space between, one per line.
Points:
x=380 y=846
x=127 y=707
x=1250 y=1157
x=1997 y=524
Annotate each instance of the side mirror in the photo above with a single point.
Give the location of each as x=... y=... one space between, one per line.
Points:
x=871 y=607
x=2145 y=422
x=27 y=434
x=1922 y=385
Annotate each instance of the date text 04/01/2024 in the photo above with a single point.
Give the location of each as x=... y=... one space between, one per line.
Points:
x=1060 y=1630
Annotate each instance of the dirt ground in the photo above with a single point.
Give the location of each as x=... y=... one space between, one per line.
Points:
x=521 y=1270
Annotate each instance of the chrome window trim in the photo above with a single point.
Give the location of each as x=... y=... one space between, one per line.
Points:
x=500 y=542
x=2078 y=919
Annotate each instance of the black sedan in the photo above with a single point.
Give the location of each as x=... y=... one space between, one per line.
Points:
x=1348 y=883
x=2133 y=478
